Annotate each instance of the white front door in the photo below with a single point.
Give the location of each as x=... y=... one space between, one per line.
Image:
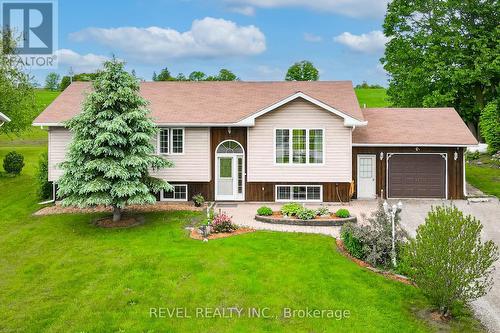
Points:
x=229 y=177
x=366 y=177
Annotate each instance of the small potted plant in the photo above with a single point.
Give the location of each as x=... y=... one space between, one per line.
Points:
x=198 y=200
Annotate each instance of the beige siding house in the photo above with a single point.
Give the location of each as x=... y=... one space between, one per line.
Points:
x=286 y=141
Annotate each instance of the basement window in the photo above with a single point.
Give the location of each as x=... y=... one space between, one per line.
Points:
x=179 y=193
x=302 y=193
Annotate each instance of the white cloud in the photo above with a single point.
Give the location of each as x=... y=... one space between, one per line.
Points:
x=243 y=10
x=371 y=42
x=80 y=63
x=208 y=37
x=312 y=38
x=352 y=8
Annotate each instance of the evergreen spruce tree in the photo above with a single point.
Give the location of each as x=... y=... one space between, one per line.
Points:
x=112 y=151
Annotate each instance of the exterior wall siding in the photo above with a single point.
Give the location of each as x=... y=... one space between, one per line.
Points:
x=59 y=140
x=455 y=167
x=194 y=164
x=299 y=114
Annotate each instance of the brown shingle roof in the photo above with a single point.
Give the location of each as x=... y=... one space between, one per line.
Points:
x=440 y=126
x=211 y=102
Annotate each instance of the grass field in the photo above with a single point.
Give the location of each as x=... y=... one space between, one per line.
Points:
x=35 y=135
x=484 y=176
x=373 y=98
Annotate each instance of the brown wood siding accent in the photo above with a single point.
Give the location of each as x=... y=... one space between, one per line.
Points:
x=455 y=167
x=218 y=135
x=194 y=188
x=264 y=191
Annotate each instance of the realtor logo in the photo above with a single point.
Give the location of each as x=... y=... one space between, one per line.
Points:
x=32 y=25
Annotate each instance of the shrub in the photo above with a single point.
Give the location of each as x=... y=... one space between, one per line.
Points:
x=375 y=237
x=489 y=125
x=343 y=213
x=264 y=211
x=471 y=156
x=42 y=175
x=222 y=223
x=448 y=260
x=291 y=209
x=322 y=211
x=198 y=200
x=351 y=243
x=306 y=214
x=13 y=163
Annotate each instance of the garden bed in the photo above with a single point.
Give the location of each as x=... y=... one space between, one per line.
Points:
x=325 y=221
x=195 y=234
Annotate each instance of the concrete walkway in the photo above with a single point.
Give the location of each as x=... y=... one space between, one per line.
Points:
x=487 y=308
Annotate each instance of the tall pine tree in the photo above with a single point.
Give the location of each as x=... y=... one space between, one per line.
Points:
x=111 y=152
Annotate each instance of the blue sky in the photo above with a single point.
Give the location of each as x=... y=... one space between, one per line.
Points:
x=256 y=39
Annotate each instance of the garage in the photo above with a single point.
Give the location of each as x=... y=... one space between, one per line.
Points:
x=416 y=175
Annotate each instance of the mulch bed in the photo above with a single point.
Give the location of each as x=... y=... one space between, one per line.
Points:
x=125 y=222
x=392 y=276
x=196 y=235
x=158 y=207
x=279 y=215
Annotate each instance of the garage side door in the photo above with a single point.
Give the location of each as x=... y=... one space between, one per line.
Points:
x=417 y=176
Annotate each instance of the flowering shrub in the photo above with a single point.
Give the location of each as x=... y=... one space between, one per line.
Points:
x=222 y=223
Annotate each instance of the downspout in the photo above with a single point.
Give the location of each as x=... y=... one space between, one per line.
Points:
x=53 y=199
x=463 y=167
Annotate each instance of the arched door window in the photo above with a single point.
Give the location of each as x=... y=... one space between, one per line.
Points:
x=230 y=147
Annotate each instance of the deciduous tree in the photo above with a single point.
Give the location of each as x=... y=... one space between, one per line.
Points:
x=443 y=53
x=302 y=71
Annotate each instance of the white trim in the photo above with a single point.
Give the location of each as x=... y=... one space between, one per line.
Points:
x=291 y=192
x=388 y=155
x=374 y=170
x=348 y=120
x=236 y=196
x=407 y=145
x=170 y=140
x=464 y=181
x=290 y=147
x=162 y=198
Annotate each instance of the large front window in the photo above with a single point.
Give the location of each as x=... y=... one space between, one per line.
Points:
x=299 y=146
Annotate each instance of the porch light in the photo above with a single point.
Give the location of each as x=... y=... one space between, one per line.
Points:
x=455 y=156
x=381 y=155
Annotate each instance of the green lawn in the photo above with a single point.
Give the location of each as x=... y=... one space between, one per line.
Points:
x=62 y=274
x=373 y=98
x=485 y=176
x=35 y=135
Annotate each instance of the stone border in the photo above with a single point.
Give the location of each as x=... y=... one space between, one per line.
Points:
x=194 y=234
x=312 y=223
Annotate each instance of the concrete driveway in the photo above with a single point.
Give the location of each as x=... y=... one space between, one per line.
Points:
x=414 y=211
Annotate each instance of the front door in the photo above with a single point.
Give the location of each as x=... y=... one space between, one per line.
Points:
x=366 y=176
x=229 y=177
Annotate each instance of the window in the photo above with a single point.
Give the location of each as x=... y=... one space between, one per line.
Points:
x=171 y=141
x=282 y=146
x=299 y=146
x=179 y=193
x=164 y=141
x=316 y=146
x=225 y=167
x=299 y=193
x=177 y=140
x=230 y=147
